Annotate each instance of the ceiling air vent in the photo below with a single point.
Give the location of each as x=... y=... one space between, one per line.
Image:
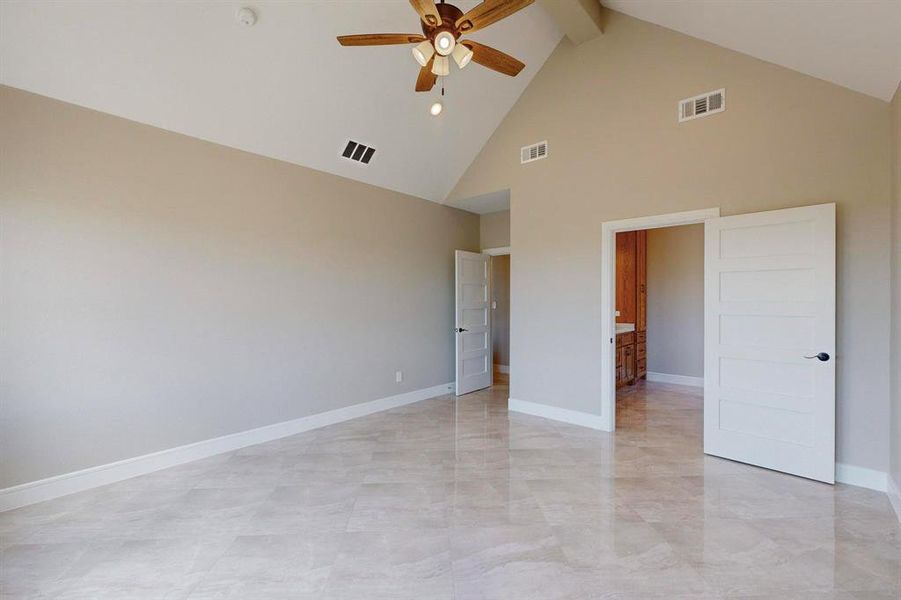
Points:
x=357 y=152
x=533 y=152
x=703 y=105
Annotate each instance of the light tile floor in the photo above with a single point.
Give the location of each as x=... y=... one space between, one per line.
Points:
x=459 y=499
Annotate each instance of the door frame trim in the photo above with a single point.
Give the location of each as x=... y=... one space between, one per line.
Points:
x=609 y=229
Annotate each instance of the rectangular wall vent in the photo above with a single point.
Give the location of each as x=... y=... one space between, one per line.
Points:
x=358 y=152
x=533 y=152
x=703 y=105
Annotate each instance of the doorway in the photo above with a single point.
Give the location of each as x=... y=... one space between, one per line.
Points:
x=660 y=332
x=482 y=321
x=500 y=315
x=769 y=335
x=609 y=231
x=660 y=306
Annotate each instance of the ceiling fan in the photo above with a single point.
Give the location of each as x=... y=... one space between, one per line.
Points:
x=442 y=26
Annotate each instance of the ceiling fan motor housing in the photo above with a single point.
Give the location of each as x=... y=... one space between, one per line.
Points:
x=449 y=16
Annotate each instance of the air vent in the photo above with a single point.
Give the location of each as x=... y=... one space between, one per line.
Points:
x=533 y=152
x=703 y=105
x=358 y=152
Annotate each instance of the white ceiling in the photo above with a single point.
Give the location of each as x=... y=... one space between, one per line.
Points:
x=491 y=202
x=283 y=88
x=855 y=44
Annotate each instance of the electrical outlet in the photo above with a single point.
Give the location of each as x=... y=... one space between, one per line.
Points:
x=398 y=376
x=616 y=314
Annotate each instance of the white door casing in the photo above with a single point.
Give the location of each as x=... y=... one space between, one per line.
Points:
x=769 y=400
x=472 y=330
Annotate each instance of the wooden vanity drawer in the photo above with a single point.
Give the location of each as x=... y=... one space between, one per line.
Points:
x=625 y=339
x=641 y=350
x=641 y=337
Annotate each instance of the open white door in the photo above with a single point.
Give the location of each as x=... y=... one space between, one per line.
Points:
x=471 y=329
x=769 y=359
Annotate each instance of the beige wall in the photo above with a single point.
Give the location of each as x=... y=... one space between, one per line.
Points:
x=896 y=291
x=676 y=300
x=500 y=316
x=495 y=229
x=159 y=290
x=608 y=111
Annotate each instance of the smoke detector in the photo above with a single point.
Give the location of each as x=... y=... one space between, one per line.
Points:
x=246 y=16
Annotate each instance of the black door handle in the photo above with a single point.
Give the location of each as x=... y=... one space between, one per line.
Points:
x=461 y=330
x=821 y=356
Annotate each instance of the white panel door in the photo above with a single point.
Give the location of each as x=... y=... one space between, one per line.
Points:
x=769 y=358
x=472 y=325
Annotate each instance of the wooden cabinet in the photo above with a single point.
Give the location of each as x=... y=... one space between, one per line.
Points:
x=629 y=362
x=626 y=274
x=641 y=280
x=626 y=363
x=632 y=304
x=641 y=354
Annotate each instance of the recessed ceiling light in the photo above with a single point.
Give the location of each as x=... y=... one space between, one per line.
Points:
x=445 y=42
x=436 y=109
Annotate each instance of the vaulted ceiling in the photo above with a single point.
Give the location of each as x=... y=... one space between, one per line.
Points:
x=282 y=88
x=855 y=44
x=285 y=89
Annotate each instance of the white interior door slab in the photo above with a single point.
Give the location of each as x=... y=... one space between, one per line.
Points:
x=472 y=325
x=769 y=359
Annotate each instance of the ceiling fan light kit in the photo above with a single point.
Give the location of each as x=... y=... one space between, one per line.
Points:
x=462 y=55
x=442 y=25
x=441 y=66
x=445 y=42
x=423 y=52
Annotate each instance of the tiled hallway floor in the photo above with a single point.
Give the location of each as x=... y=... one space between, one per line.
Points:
x=459 y=499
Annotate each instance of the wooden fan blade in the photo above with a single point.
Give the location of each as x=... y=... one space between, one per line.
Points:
x=379 y=39
x=427 y=11
x=494 y=59
x=426 y=80
x=488 y=12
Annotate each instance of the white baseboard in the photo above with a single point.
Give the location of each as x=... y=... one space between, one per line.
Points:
x=574 y=417
x=502 y=368
x=78 y=481
x=861 y=477
x=677 y=379
x=893 y=489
